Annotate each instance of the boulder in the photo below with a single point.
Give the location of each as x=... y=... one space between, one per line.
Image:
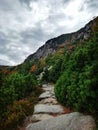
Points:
x=73 y=121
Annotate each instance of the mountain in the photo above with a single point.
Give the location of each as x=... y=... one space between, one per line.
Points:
x=68 y=40
x=70 y=61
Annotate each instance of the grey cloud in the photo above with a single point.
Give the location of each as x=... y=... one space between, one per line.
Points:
x=22 y=31
x=5 y=5
x=66 y=1
x=12 y=54
x=56 y=18
x=90 y=5
x=26 y=3
x=37 y=34
x=4 y=62
x=3 y=39
x=6 y=39
x=8 y=5
x=12 y=49
x=3 y=42
x=93 y=4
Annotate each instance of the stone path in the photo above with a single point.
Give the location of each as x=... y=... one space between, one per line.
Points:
x=72 y=121
x=47 y=107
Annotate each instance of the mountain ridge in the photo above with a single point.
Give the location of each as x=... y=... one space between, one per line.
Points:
x=52 y=45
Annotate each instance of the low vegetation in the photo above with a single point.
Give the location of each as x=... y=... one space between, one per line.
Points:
x=18 y=94
x=77 y=87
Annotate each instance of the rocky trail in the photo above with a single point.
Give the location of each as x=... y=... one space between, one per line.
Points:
x=47 y=107
x=50 y=115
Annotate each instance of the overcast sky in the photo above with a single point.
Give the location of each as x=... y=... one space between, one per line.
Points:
x=25 y=25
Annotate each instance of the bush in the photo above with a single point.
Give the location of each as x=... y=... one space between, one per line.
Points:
x=22 y=84
x=53 y=70
x=16 y=114
x=77 y=88
x=13 y=110
x=7 y=96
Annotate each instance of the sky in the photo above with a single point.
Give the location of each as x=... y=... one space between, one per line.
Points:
x=25 y=25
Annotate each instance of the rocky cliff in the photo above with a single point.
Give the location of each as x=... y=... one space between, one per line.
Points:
x=52 y=45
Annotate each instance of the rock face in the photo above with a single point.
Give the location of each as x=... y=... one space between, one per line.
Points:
x=73 y=121
x=68 y=40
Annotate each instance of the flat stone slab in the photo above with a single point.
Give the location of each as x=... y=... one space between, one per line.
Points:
x=40 y=117
x=49 y=101
x=45 y=95
x=73 y=121
x=48 y=87
x=44 y=85
x=45 y=108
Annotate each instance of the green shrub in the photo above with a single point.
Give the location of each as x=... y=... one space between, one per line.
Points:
x=13 y=110
x=7 y=96
x=16 y=114
x=77 y=88
x=55 y=63
x=22 y=84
